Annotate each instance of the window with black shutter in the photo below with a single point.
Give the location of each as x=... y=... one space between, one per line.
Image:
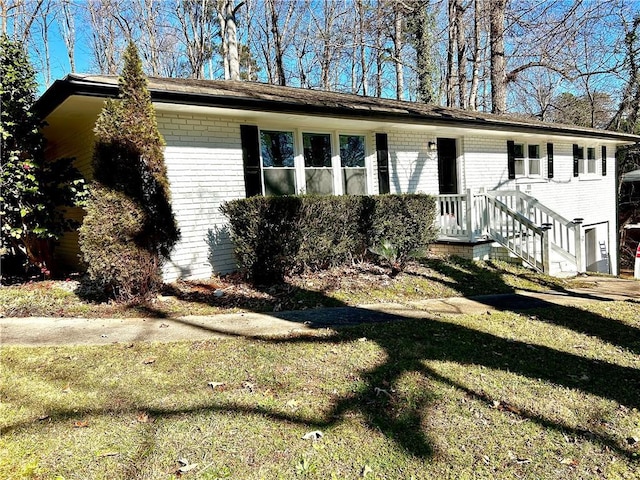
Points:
x=549 y=160
x=251 y=159
x=382 y=150
x=511 y=159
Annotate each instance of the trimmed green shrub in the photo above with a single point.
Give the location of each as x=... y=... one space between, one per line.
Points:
x=403 y=226
x=129 y=229
x=279 y=236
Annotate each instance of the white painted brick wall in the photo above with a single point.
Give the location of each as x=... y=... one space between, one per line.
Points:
x=412 y=168
x=204 y=165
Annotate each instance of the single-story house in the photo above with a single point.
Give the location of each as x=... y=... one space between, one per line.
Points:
x=507 y=186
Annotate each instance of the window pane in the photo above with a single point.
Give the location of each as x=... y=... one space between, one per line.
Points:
x=519 y=166
x=354 y=181
x=518 y=150
x=279 y=181
x=319 y=181
x=534 y=151
x=276 y=148
x=317 y=150
x=534 y=166
x=352 y=150
x=591 y=160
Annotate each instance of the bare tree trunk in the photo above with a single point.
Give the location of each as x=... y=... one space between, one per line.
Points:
x=68 y=29
x=361 y=11
x=379 y=51
x=498 y=64
x=232 y=40
x=462 y=56
x=277 y=42
x=475 y=71
x=451 y=74
x=397 y=49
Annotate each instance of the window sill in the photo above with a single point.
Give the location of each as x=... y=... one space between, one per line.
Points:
x=589 y=177
x=529 y=180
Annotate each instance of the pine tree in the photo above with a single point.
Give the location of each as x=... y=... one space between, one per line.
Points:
x=129 y=229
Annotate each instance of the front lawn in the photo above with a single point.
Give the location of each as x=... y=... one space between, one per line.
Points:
x=553 y=393
x=354 y=285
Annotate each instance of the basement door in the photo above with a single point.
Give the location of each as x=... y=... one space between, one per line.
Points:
x=596 y=248
x=447 y=168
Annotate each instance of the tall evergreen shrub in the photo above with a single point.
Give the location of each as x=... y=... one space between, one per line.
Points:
x=129 y=229
x=31 y=189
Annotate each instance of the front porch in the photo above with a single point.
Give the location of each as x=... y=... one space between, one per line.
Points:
x=508 y=225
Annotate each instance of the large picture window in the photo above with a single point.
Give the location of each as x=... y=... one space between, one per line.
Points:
x=314 y=163
x=352 y=159
x=317 y=163
x=278 y=167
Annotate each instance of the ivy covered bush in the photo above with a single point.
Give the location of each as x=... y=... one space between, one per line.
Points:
x=278 y=236
x=33 y=191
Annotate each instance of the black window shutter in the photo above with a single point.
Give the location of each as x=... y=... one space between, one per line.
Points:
x=511 y=159
x=251 y=159
x=382 y=149
x=550 y=160
x=604 y=161
x=576 y=160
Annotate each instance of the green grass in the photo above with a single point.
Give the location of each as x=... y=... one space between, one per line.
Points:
x=435 y=278
x=553 y=393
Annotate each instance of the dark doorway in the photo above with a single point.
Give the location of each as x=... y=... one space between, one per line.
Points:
x=447 y=171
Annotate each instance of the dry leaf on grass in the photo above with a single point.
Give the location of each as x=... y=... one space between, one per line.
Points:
x=505 y=407
x=569 y=461
x=149 y=361
x=80 y=424
x=185 y=466
x=315 y=435
x=143 y=417
x=249 y=386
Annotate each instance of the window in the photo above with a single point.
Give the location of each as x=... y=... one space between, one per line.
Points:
x=579 y=154
x=526 y=165
x=278 y=168
x=317 y=163
x=352 y=159
x=519 y=158
x=534 y=159
x=584 y=164
x=591 y=160
x=294 y=161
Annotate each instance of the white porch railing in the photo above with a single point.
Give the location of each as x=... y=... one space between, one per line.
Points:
x=517 y=221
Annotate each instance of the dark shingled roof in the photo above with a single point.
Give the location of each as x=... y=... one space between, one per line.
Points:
x=273 y=98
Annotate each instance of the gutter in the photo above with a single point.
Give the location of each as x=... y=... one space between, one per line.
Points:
x=63 y=89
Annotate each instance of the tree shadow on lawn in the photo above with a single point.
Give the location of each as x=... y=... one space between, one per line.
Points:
x=463 y=273
x=410 y=343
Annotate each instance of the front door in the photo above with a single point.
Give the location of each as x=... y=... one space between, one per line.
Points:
x=447 y=171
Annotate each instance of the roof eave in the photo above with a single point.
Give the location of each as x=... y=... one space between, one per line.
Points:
x=73 y=85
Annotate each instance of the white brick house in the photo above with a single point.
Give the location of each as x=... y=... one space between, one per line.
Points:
x=516 y=182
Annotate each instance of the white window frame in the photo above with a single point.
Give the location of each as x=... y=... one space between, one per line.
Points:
x=296 y=180
x=583 y=162
x=336 y=162
x=526 y=161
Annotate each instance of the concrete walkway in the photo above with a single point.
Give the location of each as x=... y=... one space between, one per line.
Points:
x=37 y=331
